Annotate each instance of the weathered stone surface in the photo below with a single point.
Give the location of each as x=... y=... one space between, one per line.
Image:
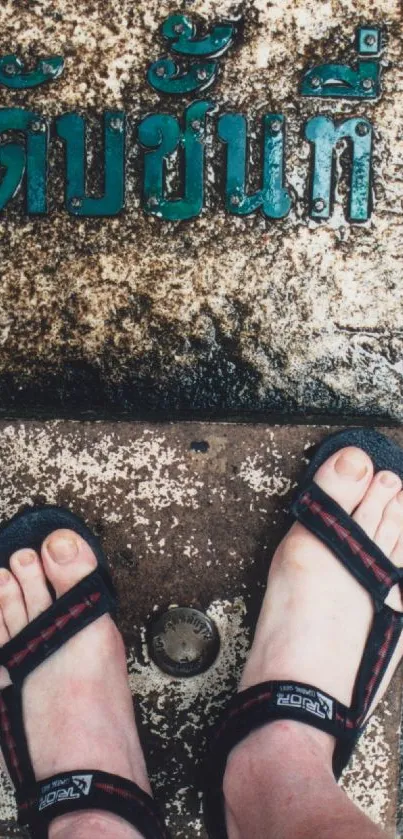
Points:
x=219 y=315
x=194 y=525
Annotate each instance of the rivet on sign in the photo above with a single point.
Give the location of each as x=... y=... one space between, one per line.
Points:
x=196 y=125
x=362 y=129
x=153 y=201
x=48 y=68
x=319 y=205
x=370 y=40
x=367 y=84
x=179 y=28
x=10 y=69
x=38 y=126
x=160 y=71
x=76 y=203
x=315 y=81
x=183 y=642
x=235 y=200
x=276 y=126
x=202 y=74
x=116 y=124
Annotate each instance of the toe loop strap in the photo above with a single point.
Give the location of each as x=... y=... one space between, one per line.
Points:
x=84 y=789
x=85 y=602
x=253 y=708
x=320 y=514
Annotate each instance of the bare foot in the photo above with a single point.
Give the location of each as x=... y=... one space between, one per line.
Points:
x=78 y=709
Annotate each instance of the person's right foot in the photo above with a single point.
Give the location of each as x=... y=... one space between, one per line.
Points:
x=316 y=617
x=77 y=705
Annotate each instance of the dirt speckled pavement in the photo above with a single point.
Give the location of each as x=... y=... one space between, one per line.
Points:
x=220 y=316
x=189 y=514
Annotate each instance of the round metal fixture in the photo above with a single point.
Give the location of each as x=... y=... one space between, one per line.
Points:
x=183 y=642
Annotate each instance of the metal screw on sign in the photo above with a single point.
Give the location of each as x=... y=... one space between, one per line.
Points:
x=362 y=129
x=10 y=69
x=76 y=203
x=179 y=28
x=367 y=84
x=38 y=126
x=315 y=81
x=202 y=74
x=116 y=124
x=319 y=205
x=276 y=126
x=370 y=40
x=160 y=72
x=196 y=125
x=235 y=200
x=153 y=201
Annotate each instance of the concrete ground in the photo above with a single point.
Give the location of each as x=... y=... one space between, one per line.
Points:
x=189 y=514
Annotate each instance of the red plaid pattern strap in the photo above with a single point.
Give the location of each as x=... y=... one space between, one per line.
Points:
x=86 y=789
x=320 y=514
x=87 y=601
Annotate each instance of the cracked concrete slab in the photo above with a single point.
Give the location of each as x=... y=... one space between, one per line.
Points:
x=220 y=316
x=189 y=514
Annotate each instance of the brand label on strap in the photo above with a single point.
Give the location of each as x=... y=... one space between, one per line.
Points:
x=305 y=699
x=61 y=789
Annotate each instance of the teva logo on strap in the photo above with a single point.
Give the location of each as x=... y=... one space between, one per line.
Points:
x=304 y=699
x=65 y=789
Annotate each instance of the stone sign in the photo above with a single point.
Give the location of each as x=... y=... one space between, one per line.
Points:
x=200 y=209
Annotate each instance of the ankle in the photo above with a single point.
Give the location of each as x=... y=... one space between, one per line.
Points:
x=281 y=756
x=92 y=824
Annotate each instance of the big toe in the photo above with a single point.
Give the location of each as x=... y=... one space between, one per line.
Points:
x=346 y=476
x=67 y=559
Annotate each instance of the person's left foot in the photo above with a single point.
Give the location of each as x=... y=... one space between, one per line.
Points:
x=77 y=705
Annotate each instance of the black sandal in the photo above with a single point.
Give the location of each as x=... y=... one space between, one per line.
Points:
x=82 y=789
x=269 y=701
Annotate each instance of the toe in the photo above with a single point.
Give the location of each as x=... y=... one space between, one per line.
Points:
x=372 y=510
x=4 y=633
x=67 y=559
x=12 y=603
x=345 y=476
x=397 y=553
x=27 y=568
x=391 y=525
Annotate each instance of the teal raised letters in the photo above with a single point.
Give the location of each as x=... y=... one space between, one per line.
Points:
x=324 y=135
x=161 y=135
x=32 y=158
x=72 y=129
x=167 y=77
x=181 y=32
x=273 y=198
x=12 y=72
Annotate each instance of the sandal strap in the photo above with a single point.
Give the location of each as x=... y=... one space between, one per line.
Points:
x=382 y=641
x=13 y=741
x=84 y=603
x=320 y=514
x=86 y=789
x=255 y=707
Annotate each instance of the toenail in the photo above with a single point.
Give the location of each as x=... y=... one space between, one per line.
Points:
x=62 y=547
x=388 y=479
x=352 y=465
x=4 y=576
x=25 y=557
